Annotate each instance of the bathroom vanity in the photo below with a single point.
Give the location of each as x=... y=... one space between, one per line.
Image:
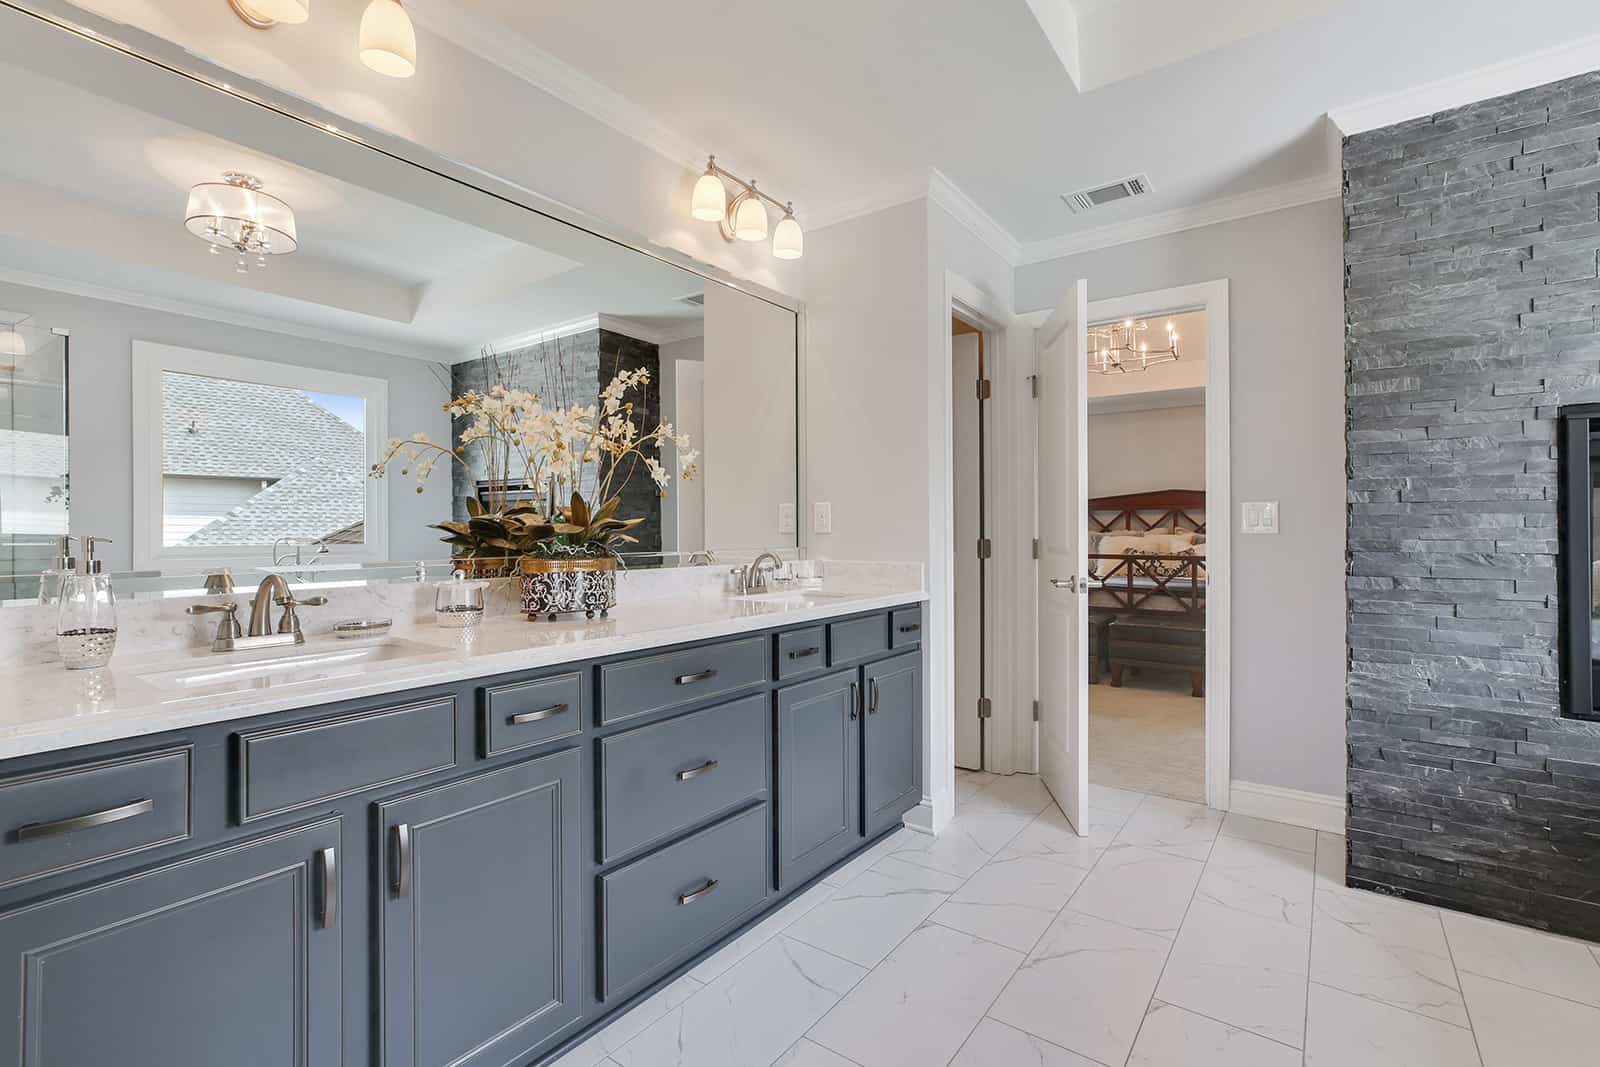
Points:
x=476 y=871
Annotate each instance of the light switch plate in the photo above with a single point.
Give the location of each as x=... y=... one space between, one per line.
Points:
x=786 y=518
x=1258 y=517
x=822 y=517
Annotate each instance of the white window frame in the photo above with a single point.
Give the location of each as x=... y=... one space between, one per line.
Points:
x=150 y=362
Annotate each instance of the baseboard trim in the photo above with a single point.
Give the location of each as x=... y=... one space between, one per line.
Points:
x=1316 y=811
x=920 y=819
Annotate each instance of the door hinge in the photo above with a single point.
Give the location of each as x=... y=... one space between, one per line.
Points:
x=1033 y=386
x=1035 y=548
x=985 y=708
x=985 y=548
x=985 y=389
x=1035 y=711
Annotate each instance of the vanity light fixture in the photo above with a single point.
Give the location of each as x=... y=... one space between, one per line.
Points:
x=745 y=218
x=234 y=214
x=265 y=14
x=1115 y=348
x=388 y=40
x=12 y=344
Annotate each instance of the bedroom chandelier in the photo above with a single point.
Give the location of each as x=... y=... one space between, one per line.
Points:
x=234 y=214
x=1117 y=348
x=745 y=219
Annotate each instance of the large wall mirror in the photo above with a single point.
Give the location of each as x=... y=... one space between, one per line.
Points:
x=206 y=394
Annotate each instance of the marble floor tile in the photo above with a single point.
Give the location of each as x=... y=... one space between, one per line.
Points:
x=1241 y=969
x=1050 y=835
x=807 y=1053
x=1296 y=838
x=596 y=1051
x=1172 y=826
x=1085 y=986
x=1349 y=1031
x=717 y=963
x=866 y=918
x=971 y=840
x=1011 y=902
x=970 y=783
x=887 y=845
x=1022 y=793
x=1518 y=1027
x=921 y=1003
x=1523 y=957
x=1261 y=880
x=1139 y=887
x=1173 y=1037
x=994 y=1044
x=1387 y=950
x=1111 y=800
x=1330 y=862
x=750 y=1015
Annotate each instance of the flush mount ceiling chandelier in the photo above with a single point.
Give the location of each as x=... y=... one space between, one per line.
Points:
x=234 y=214
x=745 y=218
x=1119 y=347
x=388 y=42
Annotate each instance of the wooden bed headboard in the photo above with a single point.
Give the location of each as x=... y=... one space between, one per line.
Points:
x=1172 y=510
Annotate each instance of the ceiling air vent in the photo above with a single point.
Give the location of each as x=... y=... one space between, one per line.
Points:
x=1100 y=196
x=697 y=299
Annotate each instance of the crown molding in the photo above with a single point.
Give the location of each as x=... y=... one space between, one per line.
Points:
x=965 y=210
x=1177 y=220
x=1497 y=79
x=613 y=323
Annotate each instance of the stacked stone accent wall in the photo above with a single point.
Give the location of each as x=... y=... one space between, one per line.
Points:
x=1471 y=288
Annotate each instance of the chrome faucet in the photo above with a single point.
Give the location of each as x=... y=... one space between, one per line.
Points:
x=274 y=589
x=755 y=575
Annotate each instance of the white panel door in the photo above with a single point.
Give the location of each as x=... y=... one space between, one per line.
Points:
x=969 y=569
x=1063 y=556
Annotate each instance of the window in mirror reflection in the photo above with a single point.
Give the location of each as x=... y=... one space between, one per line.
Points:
x=33 y=452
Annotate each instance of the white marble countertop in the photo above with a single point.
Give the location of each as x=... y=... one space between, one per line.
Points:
x=45 y=707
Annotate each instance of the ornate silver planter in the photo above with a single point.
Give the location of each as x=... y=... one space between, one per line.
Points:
x=552 y=587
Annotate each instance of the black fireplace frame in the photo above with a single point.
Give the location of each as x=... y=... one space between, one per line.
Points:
x=1577 y=465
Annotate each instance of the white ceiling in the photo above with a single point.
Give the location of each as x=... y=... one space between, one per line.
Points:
x=845 y=106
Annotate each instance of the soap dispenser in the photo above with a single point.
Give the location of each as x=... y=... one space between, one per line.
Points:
x=86 y=628
x=54 y=576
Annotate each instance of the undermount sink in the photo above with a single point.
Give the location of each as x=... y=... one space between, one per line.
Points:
x=268 y=668
x=797 y=598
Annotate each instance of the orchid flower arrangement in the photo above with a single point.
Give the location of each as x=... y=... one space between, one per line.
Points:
x=577 y=459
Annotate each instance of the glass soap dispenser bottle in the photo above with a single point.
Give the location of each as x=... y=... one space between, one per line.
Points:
x=53 y=577
x=86 y=628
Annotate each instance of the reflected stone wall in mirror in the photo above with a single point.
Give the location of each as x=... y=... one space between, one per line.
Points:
x=212 y=412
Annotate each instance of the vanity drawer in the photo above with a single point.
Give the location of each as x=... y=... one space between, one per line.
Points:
x=854 y=640
x=281 y=768
x=802 y=651
x=905 y=627
x=656 y=911
x=656 y=780
x=522 y=714
x=674 y=679
x=59 y=819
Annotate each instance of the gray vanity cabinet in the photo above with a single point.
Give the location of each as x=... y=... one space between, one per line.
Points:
x=479 y=927
x=818 y=742
x=229 y=957
x=891 y=740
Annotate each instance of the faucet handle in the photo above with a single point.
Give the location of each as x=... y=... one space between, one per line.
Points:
x=228 y=629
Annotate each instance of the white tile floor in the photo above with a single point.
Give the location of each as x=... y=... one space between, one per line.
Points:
x=1171 y=936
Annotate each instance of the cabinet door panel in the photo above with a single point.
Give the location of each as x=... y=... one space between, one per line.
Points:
x=480 y=925
x=819 y=775
x=222 y=958
x=892 y=749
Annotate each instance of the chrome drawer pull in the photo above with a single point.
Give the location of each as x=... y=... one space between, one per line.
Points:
x=855 y=700
x=34 y=830
x=534 y=716
x=911 y=628
x=695 y=772
x=703 y=676
x=703 y=891
x=327 y=888
x=872 y=702
x=805 y=652
x=402 y=859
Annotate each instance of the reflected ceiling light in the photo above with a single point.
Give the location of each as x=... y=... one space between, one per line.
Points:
x=745 y=218
x=1116 y=347
x=12 y=343
x=234 y=214
x=264 y=14
x=388 y=40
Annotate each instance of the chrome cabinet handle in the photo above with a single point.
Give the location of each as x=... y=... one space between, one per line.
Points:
x=695 y=772
x=35 y=830
x=872 y=701
x=534 y=716
x=402 y=859
x=911 y=628
x=855 y=700
x=804 y=653
x=703 y=676
x=327 y=888
x=698 y=894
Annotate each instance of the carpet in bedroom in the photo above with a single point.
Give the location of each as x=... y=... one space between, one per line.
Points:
x=1148 y=736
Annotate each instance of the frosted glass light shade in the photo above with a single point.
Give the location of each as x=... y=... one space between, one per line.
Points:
x=388 y=40
x=11 y=342
x=710 y=202
x=750 y=221
x=788 y=240
x=237 y=216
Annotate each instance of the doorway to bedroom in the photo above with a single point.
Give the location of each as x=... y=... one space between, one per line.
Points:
x=1147 y=523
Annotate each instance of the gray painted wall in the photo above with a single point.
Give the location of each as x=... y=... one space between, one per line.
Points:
x=1287 y=437
x=1471 y=294
x=103 y=333
x=1139 y=451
